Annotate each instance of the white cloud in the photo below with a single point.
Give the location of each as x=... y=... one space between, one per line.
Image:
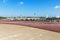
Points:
x=57 y=7
x=21 y=3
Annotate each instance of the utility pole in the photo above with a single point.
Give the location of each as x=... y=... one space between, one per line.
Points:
x=34 y=14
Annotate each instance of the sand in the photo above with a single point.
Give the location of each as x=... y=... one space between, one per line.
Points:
x=16 y=32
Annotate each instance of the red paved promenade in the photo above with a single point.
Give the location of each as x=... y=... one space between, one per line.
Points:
x=42 y=25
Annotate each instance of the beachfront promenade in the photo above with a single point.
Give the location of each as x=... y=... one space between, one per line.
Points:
x=41 y=25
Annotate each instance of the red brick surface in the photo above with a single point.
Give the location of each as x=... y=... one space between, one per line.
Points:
x=41 y=25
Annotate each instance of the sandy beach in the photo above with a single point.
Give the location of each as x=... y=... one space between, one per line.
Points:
x=16 y=32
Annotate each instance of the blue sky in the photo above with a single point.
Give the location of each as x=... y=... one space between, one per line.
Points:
x=29 y=8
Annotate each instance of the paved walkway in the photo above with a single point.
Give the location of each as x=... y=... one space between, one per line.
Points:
x=15 y=32
x=41 y=25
